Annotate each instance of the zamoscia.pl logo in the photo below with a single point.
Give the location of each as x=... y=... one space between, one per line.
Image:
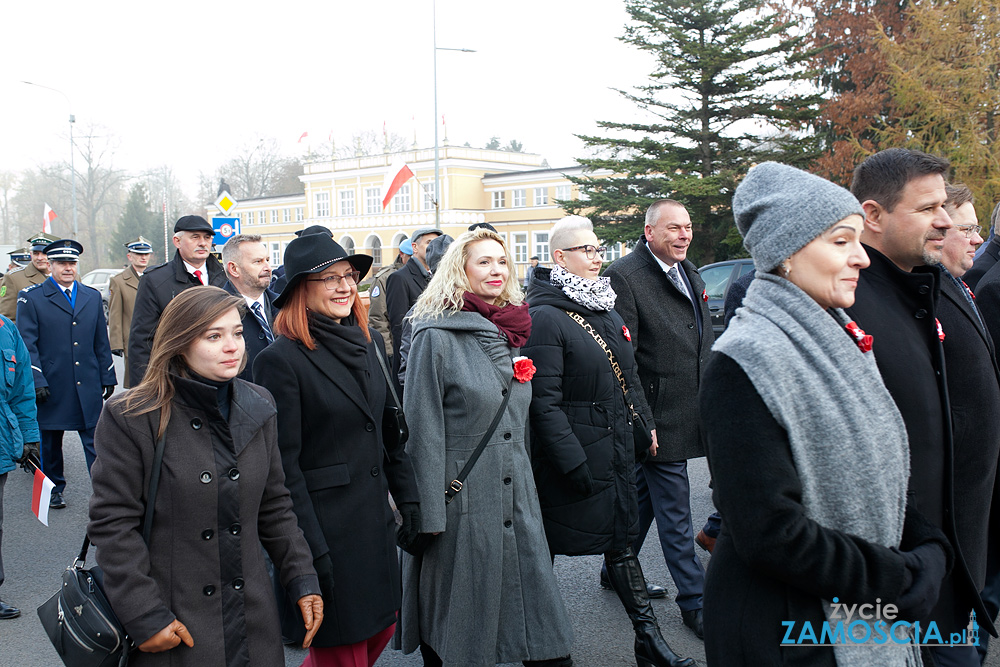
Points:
x=873 y=624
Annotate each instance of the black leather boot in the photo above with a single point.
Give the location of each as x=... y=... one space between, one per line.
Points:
x=552 y=662
x=651 y=649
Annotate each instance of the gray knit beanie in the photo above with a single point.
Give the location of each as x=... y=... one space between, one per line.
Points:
x=780 y=209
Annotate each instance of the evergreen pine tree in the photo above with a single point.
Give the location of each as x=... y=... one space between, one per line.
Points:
x=137 y=220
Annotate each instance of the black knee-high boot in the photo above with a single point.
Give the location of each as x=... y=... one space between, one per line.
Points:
x=651 y=649
x=431 y=659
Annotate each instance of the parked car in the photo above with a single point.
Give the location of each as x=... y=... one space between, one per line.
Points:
x=100 y=279
x=718 y=277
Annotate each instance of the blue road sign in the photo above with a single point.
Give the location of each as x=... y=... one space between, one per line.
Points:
x=225 y=229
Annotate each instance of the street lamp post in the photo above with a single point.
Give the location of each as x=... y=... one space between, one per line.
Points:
x=437 y=169
x=72 y=169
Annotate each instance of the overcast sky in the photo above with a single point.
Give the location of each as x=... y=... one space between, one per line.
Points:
x=187 y=83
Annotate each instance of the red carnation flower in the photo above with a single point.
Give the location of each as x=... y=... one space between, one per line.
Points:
x=524 y=369
x=863 y=340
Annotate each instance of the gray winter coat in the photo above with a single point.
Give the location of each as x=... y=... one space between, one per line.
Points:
x=484 y=591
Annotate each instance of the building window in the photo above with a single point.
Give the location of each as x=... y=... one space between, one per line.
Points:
x=563 y=192
x=498 y=199
x=347 y=202
x=614 y=252
x=428 y=204
x=373 y=201
x=249 y=217
x=322 y=204
x=541 y=197
x=521 y=247
x=520 y=198
x=286 y=215
x=376 y=251
x=348 y=245
x=401 y=200
x=275 y=253
x=542 y=246
x=300 y=214
x=274 y=216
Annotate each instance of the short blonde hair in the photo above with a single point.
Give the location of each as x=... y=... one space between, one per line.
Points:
x=566 y=229
x=449 y=283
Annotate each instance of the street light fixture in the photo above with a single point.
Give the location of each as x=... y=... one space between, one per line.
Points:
x=72 y=169
x=437 y=169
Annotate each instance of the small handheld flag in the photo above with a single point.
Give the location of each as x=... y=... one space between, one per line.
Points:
x=40 y=493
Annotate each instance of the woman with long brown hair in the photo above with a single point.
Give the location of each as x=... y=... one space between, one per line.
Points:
x=324 y=372
x=200 y=581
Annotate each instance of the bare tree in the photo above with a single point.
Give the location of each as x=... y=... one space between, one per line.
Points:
x=368 y=142
x=8 y=186
x=255 y=169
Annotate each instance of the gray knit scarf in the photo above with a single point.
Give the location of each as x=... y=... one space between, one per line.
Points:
x=847 y=437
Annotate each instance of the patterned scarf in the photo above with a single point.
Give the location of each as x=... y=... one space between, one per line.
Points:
x=595 y=294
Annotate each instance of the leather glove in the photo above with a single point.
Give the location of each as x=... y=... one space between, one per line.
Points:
x=31 y=450
x=926 y=567
x=42 y=394
x=118 y=353
x=324 y=569
x=108 y=390
x=410 y=513
x=581 y=480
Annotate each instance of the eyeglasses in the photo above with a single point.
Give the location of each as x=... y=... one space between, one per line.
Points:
x=332 y=282
x=591 y=251
x=969 y=230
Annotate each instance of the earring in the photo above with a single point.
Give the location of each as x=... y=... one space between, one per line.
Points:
x=785 y=269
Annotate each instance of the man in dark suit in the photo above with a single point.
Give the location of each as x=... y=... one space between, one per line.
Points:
x=662 y=299
x=245 y=259
x=904 y=300
x=987 y=255
x=405 y=286
x=63 y=326
x=192 y=265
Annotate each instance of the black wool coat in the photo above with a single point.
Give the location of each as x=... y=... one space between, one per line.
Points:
x=253 y=333
x=772 y=563
x=899 y=309
x=402 y=289
x=669 y=351
x=340 y=475
x=578 y=415
x=986 y=261
x=158 y=286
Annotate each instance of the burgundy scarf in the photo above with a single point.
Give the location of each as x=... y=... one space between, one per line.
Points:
x=512 y=321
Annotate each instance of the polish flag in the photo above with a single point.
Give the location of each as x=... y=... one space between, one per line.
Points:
x=48 y=215
x=304 y=135
x=398 y=174
x=40 y=496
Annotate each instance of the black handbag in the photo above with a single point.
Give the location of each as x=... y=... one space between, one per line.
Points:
x=78 y=619
x=394 y=429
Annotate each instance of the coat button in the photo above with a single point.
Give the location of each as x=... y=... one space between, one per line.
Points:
x=235 y=528
x=375 y=471
x=260 y=336
x=234 y=474
x=206 y=477
x=690 y=325
x=504 y=392
x=920 y=314
x=196 y=423
x=76 y=363
x=75 y=343
x=238 y=583
x=508 y=523
x=208 y=590
x=507 y=480
x=207 y=534
x=78 y=383
x=369 y=427
x=74 y=323
x=923 y=289
x=506 y=436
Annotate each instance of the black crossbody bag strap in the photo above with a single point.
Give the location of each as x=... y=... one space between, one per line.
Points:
x=388 y=379
x=457 y=483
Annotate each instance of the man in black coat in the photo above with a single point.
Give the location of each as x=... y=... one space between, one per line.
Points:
x=899 y=302
x=245 y=259
x=986 y=257
x=662 y=299
x=192 y=265
x=405 y=286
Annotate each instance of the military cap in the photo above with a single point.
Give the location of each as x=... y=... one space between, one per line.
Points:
x=140 y=246
x=64 y=250
x=40 y=241
x=21 y=256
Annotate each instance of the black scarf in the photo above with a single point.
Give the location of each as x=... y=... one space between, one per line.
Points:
x=346 y=342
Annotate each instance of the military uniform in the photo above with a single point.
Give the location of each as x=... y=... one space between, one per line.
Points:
x=14 y=282
x=378 y=318
x=123 y=288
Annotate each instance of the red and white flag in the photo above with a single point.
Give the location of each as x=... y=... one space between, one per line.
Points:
x=48 y=215
x=40 y=495
x=304 y=135
x=397 y=175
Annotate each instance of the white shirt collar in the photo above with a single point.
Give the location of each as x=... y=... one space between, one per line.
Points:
x=204 y=271
x=251 y=302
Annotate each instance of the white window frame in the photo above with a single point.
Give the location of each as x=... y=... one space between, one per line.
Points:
x=274 y=216
x=286 y=215
x=275 y=248
x=373 y=200
x=520 y=247
x=401 y=200
x=499 y=199
x=250 y=217
x=428 y=196
x=300 y=213
x=519 y=198
x=564 y=192
x=540 y=196
x=376 y=248
x=322 y=203
x=614 y=252
x=347 y=203
x=540 y=240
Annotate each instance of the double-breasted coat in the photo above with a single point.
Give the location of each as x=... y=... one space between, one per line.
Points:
x=253 y=333
x=158 y=286
x=221 y=496
x=579 y=415
x=13 y=283
x=122 y=288
x=484 y=591
x=70 y=353
x=672 y=338
x=340 y=475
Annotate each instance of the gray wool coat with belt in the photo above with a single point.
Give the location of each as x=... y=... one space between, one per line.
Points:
x=484 y=591
x=220 y=498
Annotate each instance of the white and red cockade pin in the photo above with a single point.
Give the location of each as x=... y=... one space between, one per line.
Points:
x=704 y=295
x=940 y=329
x=625 y=332
x=863 y=340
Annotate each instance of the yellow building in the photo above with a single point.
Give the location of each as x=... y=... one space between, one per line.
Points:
x=511 y=191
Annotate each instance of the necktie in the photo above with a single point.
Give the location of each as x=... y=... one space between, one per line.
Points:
x=259 y=314
x=69 y=294
x=675 y=278
x=197 y=274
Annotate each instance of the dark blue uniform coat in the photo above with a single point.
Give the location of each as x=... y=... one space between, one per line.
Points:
x=253 y=333
x=70 y=353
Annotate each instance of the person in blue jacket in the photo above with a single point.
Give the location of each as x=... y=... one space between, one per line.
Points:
x=63 y=326
x=20 y=436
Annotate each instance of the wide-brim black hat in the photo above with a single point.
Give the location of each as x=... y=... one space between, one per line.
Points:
x=314 y=253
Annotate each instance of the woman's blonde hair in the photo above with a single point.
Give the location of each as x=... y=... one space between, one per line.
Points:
x=184 y=320
x=449 y=283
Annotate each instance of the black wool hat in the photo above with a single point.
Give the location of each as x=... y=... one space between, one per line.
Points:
x=313 y=253
x=314 y=229
x=193 y=223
